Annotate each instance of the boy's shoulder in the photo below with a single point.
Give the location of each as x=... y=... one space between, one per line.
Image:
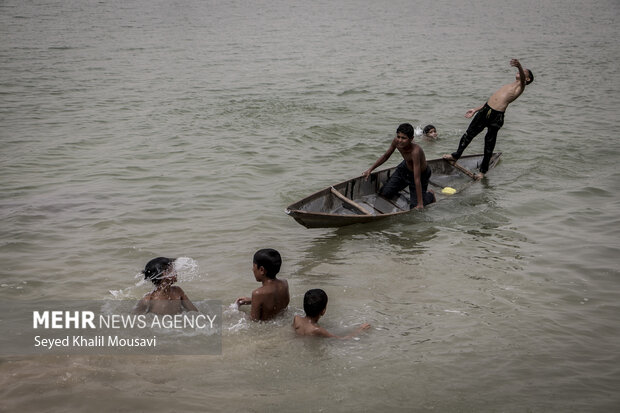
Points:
x=275 y=285
x=304 y=326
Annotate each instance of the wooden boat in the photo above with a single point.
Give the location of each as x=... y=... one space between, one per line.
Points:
x=356 y=201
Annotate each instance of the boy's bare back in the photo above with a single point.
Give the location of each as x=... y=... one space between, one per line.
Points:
x=162 y=302
x=270 y=299
x=304 y=326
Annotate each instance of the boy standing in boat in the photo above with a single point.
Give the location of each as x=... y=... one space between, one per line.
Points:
x=412 y=171
x=491 y=116
x=272 y=297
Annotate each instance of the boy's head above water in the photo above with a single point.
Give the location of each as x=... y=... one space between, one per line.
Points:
x=157 y=269
x=270 y=260
x=430 y=131
x=405 y=129
x=315 y=302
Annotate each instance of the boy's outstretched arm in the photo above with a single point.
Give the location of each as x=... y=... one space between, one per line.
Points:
x=243 y=301
x=357 y=331
x=381 y=160
x=472 y=112
x=517 y=64
x=361 y=328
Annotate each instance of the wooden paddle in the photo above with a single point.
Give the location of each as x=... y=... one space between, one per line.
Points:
x=350 y=201
x=462 y=169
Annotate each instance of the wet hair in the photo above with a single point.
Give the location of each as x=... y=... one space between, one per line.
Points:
x=406 y=129
x=531 y=76
x=428 y=128
x=270 y=260
x=154 y=269
x=315 y=301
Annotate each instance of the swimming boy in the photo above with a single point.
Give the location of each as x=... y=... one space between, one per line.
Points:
x=430 y=132
x=315 y=304
x=272 y=297
x=491 y=116
x=165 y=298
x=412 y=171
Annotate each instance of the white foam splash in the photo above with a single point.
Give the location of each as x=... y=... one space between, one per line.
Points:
x=186 y=269
x=242 y=324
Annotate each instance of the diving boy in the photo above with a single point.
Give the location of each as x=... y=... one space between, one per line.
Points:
x=491 y=116
x=412 y=171
x=272 y=297
x=165 y=299
x=315 y=304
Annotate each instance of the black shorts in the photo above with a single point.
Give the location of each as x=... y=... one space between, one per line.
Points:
x=403 y=177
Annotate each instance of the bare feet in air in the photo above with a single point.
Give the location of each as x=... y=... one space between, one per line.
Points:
x=449 y=158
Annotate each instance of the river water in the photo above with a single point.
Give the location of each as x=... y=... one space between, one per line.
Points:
x=135 y=129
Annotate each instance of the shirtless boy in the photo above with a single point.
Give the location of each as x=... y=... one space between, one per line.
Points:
x=491 y=116
x=272 y=297
x=165 y=299
x=315 y=304
x=412 y=171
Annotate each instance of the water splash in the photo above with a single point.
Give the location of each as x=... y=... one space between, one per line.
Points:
x=232 y=313
x=187 y=269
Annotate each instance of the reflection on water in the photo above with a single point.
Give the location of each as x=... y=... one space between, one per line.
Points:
x=394 y=236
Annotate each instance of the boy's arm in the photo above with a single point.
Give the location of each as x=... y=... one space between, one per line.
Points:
x=187 y=303
x=256 y=312
x=381 y=160
x=357 y=331
x=517 y=64
x=361 y=328
x=472 y=112
x=416 y=178
x=321 y=332
x=243 y=301
x=142 y=307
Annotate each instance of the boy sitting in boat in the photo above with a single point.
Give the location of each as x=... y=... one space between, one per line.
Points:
x=315 y=304
x=165 y=299
x=412 y=171
x=272 y=297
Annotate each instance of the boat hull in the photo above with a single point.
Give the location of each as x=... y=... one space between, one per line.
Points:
x=355 y=201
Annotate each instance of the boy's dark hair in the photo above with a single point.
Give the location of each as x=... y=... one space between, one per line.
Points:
x=154 y=269
x=527 y=82
x=406 y=129
x=315 y=301
x=428 y=128
x=270 y=260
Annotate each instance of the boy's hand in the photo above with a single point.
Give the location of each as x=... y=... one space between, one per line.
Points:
x=515 y=63
x=366 y=174
x=364 y=327
x=470 y=113
x=243 y=301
